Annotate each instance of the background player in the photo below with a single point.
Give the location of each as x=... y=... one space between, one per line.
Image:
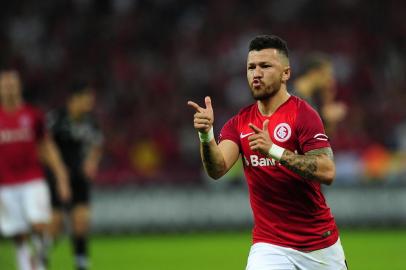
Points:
x=317 y=85
x=79 y=140
x=24 y=197
x=286 y=156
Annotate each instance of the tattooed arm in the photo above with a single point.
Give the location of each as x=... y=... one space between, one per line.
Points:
x=217 y=159
x=317 y=165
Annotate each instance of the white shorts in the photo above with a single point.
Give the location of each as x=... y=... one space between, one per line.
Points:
x=23 y=205
x=265 y=256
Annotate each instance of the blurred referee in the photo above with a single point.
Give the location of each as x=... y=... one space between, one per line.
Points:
x=79 y=140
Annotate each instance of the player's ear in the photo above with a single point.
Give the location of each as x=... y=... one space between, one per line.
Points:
x=286 y=74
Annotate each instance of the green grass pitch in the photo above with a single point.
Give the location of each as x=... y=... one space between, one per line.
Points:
x=365 y=250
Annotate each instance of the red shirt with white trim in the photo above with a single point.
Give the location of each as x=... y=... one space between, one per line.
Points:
x=288 y=210
x=20 y=132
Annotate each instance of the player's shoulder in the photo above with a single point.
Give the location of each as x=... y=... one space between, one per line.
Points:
x=241 y=115
x=246 y=110
x=303 y=107
x=244 y=114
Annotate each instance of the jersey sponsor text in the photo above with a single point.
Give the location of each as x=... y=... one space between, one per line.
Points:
x=256 y=161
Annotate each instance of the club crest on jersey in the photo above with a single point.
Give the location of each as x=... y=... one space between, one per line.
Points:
x=282 y=132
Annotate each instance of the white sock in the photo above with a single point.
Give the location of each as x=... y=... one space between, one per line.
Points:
x=41 y=250
x=24 y=256
x=81 y=262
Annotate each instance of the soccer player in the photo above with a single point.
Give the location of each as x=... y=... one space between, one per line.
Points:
x=24 y=196
x=79 y=140
x=286 y=158
x=316 y=85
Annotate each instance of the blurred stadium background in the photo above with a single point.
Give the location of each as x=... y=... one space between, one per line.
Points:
x=147 y=58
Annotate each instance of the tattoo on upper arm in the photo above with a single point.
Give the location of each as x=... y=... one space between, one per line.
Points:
x=305 y=165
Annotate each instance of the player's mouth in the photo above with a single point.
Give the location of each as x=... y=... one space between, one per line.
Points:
x=256 y=83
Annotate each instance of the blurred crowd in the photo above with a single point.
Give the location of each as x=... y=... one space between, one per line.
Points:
x=147 y=58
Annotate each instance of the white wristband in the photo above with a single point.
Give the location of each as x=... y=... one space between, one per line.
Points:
x=276 y=152
x=206 y=137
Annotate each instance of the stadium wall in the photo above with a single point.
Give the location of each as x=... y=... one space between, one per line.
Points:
x=132 y=210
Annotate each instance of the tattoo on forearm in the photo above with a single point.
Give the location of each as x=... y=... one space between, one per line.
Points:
x=206 y=156
x=209 y=160
x=305 y=165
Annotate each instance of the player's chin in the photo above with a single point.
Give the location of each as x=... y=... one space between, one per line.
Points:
x=256 y=92
x=260 y=95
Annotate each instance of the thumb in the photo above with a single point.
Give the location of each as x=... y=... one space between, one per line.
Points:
x=265 y=125
x=207 y=100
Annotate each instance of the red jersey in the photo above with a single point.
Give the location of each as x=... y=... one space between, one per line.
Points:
x=288 y=210
x=20 y=132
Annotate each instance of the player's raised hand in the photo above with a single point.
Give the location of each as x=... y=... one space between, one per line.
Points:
x=203 y=117
x=260 y=141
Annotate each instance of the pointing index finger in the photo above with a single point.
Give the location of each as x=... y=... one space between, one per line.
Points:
x=254 y=128
x=194 y=106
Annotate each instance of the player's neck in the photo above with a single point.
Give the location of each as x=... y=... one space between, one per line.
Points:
x=268 y=106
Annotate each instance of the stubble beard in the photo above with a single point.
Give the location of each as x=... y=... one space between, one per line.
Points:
x=267 y=92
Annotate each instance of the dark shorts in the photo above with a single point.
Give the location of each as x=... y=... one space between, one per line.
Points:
x=80 y=190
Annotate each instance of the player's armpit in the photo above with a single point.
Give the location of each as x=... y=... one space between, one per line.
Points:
x=316 y=165
x=218 y=159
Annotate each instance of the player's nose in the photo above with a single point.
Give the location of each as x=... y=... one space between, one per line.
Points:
x=258 y=72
